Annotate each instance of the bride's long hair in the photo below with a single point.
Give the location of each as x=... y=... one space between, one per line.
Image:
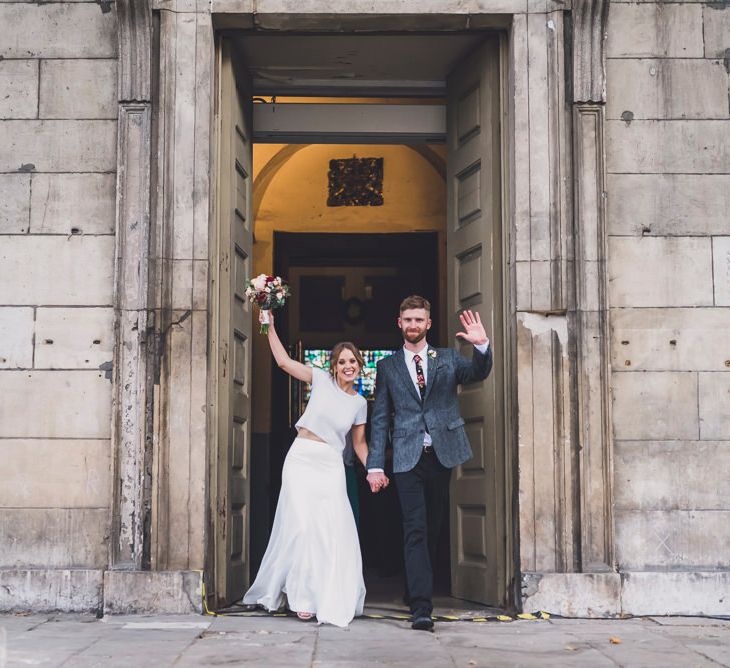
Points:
x=337 y=351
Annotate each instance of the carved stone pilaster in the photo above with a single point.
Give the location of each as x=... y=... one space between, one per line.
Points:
x=134 y=21
x=130 y=497
x=594 y=424
x=592 y=309
x=589 y=61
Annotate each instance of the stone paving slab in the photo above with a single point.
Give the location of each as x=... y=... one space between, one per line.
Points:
x=191 y=640
x=718 y=655
x=691 y=621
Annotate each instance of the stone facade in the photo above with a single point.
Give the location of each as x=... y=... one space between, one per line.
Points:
x=58 y=156
x=668 y=157
x=618 y=167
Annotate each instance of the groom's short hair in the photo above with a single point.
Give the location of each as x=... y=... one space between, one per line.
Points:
x=415 y=301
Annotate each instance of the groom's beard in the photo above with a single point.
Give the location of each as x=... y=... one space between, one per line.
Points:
x=414 y=337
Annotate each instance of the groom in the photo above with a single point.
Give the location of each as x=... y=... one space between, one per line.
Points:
x=416 y=401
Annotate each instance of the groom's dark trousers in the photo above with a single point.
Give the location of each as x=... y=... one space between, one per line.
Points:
x=424 y=495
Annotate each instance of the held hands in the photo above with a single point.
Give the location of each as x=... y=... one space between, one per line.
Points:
x=472 y=323
x=377 y=480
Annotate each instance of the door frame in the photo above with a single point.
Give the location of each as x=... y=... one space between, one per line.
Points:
x=508 y=323
x=554 y=189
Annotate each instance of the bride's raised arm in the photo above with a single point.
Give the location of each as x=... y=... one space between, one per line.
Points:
x=292 y=367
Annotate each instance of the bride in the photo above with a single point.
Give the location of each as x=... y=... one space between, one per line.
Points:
x=313 y=557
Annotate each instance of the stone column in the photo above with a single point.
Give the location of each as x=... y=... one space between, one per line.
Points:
x=566 y=526
x=592 y=334
x=180 y=256
x=160 y=365
x=130 y=501
x=543 y=247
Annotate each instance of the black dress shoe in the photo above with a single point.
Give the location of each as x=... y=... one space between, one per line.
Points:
x=422 y=623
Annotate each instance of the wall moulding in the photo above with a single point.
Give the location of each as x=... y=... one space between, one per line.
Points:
x=227 y=14
x=129 y=431
x=592 y=334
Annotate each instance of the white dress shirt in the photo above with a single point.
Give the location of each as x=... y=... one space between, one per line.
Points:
x=411 y=366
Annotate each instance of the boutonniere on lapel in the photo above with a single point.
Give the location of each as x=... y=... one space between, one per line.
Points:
x=432 y=353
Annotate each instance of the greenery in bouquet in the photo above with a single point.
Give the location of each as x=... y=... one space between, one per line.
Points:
x=268 y=293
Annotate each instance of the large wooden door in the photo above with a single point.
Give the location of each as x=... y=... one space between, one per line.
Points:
x=474 y=243
x=231 y=334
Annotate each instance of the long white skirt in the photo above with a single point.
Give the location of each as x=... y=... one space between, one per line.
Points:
x=313 y=560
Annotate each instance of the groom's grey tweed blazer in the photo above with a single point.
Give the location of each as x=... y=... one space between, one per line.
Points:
x=399 y=411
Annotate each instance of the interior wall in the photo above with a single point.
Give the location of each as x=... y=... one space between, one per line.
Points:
x=295 y=200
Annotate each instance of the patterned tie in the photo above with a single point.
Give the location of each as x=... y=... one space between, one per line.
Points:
x=419 y=376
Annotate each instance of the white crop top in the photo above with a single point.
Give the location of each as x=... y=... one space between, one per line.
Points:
x=331 y=412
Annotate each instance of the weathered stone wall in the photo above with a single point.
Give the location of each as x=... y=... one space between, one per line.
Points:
x=58 y=109
x=668 y=182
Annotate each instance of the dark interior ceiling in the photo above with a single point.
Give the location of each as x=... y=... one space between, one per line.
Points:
x=347 y=65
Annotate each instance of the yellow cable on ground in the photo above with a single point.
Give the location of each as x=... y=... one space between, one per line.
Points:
x=395 y=617
x=206 y=610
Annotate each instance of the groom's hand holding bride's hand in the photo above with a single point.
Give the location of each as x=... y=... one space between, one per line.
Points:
x=377 y=480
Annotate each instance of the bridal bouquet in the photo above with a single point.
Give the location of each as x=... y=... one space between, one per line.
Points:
x=268 y=292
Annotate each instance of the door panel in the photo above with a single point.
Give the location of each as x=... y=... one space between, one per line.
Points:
x=478 y=531
x=232 y=332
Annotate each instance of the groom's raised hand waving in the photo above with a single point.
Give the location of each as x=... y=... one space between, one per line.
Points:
x=475 y=332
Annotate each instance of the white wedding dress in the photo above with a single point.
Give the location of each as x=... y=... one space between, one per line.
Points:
x=312 y=562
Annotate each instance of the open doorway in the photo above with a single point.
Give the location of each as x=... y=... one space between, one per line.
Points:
x=349 y=268
x=348 y=286
x=466 y=234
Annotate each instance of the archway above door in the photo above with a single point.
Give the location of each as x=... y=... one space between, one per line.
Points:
x=268 y=172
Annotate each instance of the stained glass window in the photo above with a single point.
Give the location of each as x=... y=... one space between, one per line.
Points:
x=365 y=384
